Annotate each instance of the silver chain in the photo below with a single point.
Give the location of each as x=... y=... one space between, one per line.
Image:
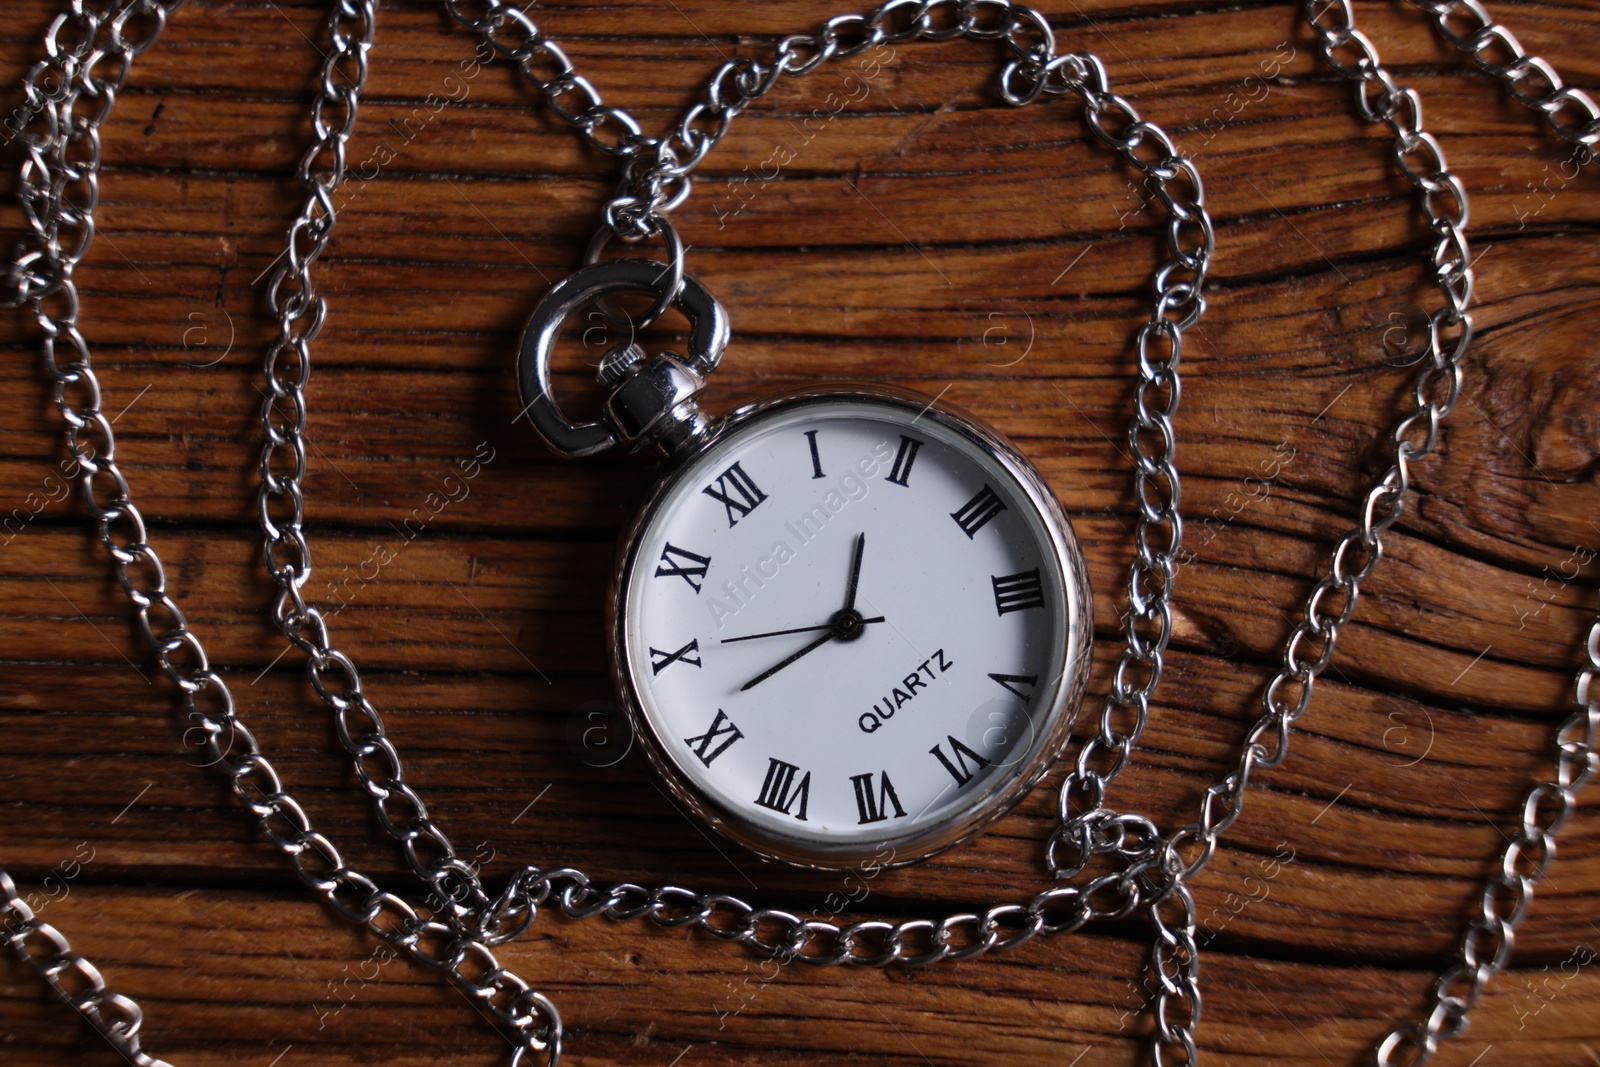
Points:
x=655 y=180
x=1485 y=946
x=45 y=950
x=1570 y=112
x=58 y=184
x=58 y=190
x=1442 y=200
x=476 y=922
x=228 y=745
x=1032 y=71
x=1484 y=949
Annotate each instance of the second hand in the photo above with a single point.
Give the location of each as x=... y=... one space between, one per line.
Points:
x=796 y=630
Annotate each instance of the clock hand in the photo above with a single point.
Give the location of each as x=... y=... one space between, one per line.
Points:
x=846 y=626
x=846 y=623
x=855 y=574
x=770 y=671
x=796 y=630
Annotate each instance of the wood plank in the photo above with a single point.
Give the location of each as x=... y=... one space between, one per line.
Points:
x=273 y=966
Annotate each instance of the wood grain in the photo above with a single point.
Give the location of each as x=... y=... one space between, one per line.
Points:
x=926 y=236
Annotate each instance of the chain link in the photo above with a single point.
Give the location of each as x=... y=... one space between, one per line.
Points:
x=58 y=182
x=45 y=950
x=1332 y=601
x=1568 y=111
x=1485 y=947
x=1435 y=391
x=58 y=190
x=1158 y=535
x=227 y=743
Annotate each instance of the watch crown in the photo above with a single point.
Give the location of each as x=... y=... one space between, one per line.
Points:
x=619 y=361
x=653 y=400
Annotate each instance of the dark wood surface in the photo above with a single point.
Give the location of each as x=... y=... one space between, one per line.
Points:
x=927 y=236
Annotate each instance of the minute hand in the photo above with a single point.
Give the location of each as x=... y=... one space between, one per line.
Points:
x=854 y=581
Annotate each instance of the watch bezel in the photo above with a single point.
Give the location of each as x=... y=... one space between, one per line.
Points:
x=905 y=848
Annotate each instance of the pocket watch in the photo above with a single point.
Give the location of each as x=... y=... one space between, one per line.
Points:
x=851 y=623
x=810 y=603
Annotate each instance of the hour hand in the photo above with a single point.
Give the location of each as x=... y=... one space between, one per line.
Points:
x=770 y=671
x=846 y=625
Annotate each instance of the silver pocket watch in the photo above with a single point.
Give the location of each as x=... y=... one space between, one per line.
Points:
x=850 y=624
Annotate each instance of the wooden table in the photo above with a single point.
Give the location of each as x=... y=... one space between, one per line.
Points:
x=925 y=235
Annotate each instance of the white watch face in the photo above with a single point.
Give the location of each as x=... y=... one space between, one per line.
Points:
x=851 y=625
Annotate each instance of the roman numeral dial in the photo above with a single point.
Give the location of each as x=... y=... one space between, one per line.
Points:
x=737 y=492
x=962 y=762
x=715 y=741
x=690 y=654
x=781 y=790
x=975 y=514
x=681 y=563
x=1017 y=684
x=847 y=629
x=875 y=798
x=900 y=473
x=1018 y=592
